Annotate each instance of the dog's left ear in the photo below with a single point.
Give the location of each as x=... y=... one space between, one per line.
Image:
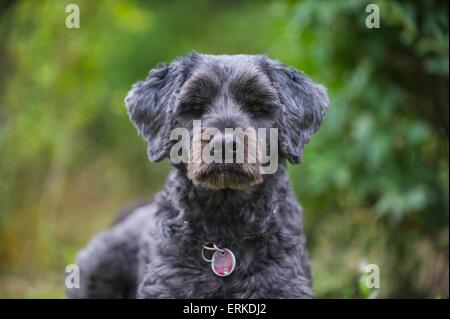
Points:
x=150 y=105
x=303 y=108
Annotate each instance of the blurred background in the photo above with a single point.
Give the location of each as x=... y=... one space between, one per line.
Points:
x=374 y=183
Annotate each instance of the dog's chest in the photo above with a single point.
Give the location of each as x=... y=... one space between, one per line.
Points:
x=183 y=273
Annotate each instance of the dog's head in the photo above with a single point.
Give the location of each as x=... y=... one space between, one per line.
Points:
x=224 y=103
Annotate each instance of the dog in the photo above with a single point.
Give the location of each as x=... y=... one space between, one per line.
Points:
x=216 y=230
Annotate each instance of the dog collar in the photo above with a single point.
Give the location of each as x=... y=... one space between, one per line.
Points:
x=222 y=261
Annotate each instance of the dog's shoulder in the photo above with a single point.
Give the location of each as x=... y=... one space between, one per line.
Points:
x=130 y=223
x=126 y=212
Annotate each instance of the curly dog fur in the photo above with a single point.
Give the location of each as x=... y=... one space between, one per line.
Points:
x=155 y=250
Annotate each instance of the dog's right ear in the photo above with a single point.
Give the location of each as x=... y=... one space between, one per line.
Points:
x=150 y=106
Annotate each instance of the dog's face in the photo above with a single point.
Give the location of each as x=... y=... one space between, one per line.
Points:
x=224 y=102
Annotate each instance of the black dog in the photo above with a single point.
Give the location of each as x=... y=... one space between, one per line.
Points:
x=217 y=230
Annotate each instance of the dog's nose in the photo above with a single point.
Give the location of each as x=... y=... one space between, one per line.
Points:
x=228 y=143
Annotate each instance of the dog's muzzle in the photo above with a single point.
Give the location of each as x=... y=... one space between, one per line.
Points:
x=229 y=145
x=225 y=161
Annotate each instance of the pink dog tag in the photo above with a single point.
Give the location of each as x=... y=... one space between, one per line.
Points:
x=223 y=262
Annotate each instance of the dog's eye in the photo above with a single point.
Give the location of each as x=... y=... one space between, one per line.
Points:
x=197 y=108
x=255 y=108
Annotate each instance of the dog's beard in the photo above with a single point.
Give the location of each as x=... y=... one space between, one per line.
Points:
x=217 y=176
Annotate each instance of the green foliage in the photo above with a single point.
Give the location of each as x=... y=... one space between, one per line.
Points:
x=374 y=182
x=378 y=149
